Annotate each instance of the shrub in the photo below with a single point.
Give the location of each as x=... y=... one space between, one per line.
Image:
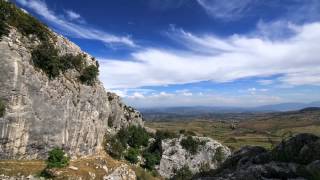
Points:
x=190 y=144
x=132 y=155
x=138 y=136
x=134 y=136
x=24 y=23
x=115 y=148
x=219 y=155
x=165 y=135
x=151 y=159
x=3 y=29
x=183 y=174
x=187 y=133
x=46 y=58
x=2 y=108
x=70 y=61
x=57 y=159
x=110 y=121
x=89 y=75
x=123 y=136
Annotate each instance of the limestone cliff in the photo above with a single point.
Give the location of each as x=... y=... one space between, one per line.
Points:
x=43 y=113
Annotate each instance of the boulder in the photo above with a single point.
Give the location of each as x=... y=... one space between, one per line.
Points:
x=296 y=158
x=175 y=157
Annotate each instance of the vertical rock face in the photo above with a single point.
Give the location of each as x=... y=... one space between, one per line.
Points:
x=42 y=113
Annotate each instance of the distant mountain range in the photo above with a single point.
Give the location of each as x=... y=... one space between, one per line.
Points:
x=192 y=110
x=228 y=113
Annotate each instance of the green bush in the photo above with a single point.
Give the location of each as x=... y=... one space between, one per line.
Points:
x=151 y=159
x=3 y=29
x=25 y=24
x=2 y=108
x=165 y=135
x=153 y=153
x=219 y=155
x=89 y=75
x=45 y=57
x=187 y=133
x=57 y=159
x=123 y=136
x=190 y=144
x=70 y=61
x=182 y=174
x=132 y=155
x=115 y=148
x=138 y=136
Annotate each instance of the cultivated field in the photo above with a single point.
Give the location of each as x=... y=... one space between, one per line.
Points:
x=266 y=131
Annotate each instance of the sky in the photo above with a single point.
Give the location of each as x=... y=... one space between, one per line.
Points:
x=163 y=53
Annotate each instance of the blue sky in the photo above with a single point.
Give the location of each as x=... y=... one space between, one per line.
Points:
x=196 y=52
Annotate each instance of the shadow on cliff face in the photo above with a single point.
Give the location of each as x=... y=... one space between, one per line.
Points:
x=295 y=158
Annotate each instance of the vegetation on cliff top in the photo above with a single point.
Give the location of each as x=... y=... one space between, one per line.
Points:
x=25 y=24
x=45 y=56
x=89 y=75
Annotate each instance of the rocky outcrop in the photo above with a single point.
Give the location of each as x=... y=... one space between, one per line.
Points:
x=43 y=113
x=123 y=172
x=209 y=155
x=296 y=158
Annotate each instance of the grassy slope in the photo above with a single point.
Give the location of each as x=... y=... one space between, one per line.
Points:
x=263 y=131
x=93 y=164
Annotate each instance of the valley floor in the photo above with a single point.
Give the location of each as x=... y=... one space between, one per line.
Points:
x=265 y=132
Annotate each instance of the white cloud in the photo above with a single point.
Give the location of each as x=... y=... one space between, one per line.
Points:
x=254 y=91
x=137 y=95
x=164 y=99
x=239 y=56
x=72 y=15
x=73 y=29
x=265 y=82
x=226 y=10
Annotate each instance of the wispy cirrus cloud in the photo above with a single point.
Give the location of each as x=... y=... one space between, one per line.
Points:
x=72 y=15
x=71 y=27
x=166 y=4
x=295 y=58
x=226 y=10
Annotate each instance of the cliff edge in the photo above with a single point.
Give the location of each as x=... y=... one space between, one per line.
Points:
x=41 y=112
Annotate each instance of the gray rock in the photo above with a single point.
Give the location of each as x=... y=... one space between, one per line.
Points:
x=286 y=161
x=123 y=172
x=174 y=156
x=42 y=114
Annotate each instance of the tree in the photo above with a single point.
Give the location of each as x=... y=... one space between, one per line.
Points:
x=57 y=159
